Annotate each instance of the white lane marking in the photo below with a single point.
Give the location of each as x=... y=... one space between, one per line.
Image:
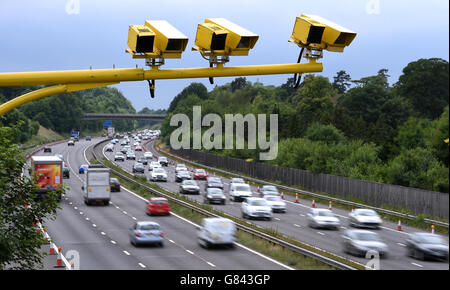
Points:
x=134 y=218
x=87 y=219
x=211 y=264
x=344 y=228
x=113 y=242
x=320 y=233
x=94 y=225
x=142 y=265
x=75 y=207
x=190 y=252
x=300 y=214
x=171 y=241
x=103 y=233
x=124 y=212
x=418 y=265
x=126 y=253
x=297 y=225
x=81 y=212
x=400 y=244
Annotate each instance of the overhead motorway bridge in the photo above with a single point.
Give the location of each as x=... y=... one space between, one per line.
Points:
x=91 y=116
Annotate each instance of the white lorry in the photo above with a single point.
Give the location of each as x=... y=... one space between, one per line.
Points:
x=111 y=132
x=96 y=187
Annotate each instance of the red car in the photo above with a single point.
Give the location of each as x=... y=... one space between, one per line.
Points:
x=200 y=174
x=138 y=148
x=158 y=205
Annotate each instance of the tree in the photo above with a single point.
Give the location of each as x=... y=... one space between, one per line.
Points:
x=238 y=84
x=424 y=83
x=19 y=241
x=325 y=133
x=341 y=82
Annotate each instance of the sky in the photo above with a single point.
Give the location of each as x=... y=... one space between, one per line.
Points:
x=46 y=35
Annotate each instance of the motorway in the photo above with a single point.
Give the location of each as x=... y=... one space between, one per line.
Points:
x=294 y=223
x=100 y=233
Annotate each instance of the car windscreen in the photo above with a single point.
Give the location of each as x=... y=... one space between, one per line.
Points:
x=215 y=191
x=325 y=213
x=189 y=182
x=159 y=202
x=257 y=203
x=429 y=239
x=365 y=213
x=274 y=198
x=184 y=173
x=159 y=170
x=200 y=171
x=98 y=178
x=270 y=188
x=148 y=227
x=242 y=188
x=214 y=180
x=237 y=180
x=367 y=237
x=221 y=227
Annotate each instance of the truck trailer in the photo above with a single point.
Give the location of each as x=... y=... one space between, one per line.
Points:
x=47 y=172
x=96 y=185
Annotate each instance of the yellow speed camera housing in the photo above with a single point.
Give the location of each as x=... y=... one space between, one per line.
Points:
x=210 y=37
x=239 y=40
x=169 y=42
x=140 y=39
x=316 y=32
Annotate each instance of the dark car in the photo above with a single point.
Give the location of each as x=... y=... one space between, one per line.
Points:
x=138 y=167
x=142 y=160
x=189 y=187
x=214 y=195
x=47 y=149
x=114 y=184
x=213 y=182
x=88 y=138
x=182 y=175
x=425 y=246
x=163 y=161
x=65 y=172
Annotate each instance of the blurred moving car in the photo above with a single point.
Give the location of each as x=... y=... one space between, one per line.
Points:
x=180 y=167
x=424 y=246
x=189 y=186
x=65 y=172
x=276 y=203
x=322 y=218
x=255 y=207
x=163 y=161
x=142 y=160
x=214 y=195
x=138 y=167
x=70 y=143
x=88 y=138
x=47 y=149
x=200 y=174
x=213 y=182
x=114 y=184
x=131 y=155
x=146 y=233
x=109 y=148
x=240 y=191
x=158 y=174
x=153 y=165
x=138 y=148
x=216 y=232
x=119 y=156
x=148 y=155
x=360 y=242
x=182 y=175
x=364 y=218
x=158 y=205
x=268 y=190
x=83 y=168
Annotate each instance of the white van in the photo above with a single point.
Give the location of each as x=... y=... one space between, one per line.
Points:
x=216 y=231
x=96 y=185
x=239 y=191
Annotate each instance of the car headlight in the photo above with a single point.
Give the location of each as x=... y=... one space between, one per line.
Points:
x=208 y=196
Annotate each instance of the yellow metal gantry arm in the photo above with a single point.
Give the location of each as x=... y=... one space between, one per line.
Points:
x=68 y=81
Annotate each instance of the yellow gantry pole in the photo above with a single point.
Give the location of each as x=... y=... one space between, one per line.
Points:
x=45 y=92
x=84 y=79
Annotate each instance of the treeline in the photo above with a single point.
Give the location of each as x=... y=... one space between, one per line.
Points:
x=364 y=129
x=62 y=113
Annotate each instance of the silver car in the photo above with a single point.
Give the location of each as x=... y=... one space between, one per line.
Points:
x=268 y=190
x=254 y=207
x=276 y=203
x=363 y=242
x=424 y=246
x=146 y=233
x=322 y=218
x=364 y=218
x=189 y=186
